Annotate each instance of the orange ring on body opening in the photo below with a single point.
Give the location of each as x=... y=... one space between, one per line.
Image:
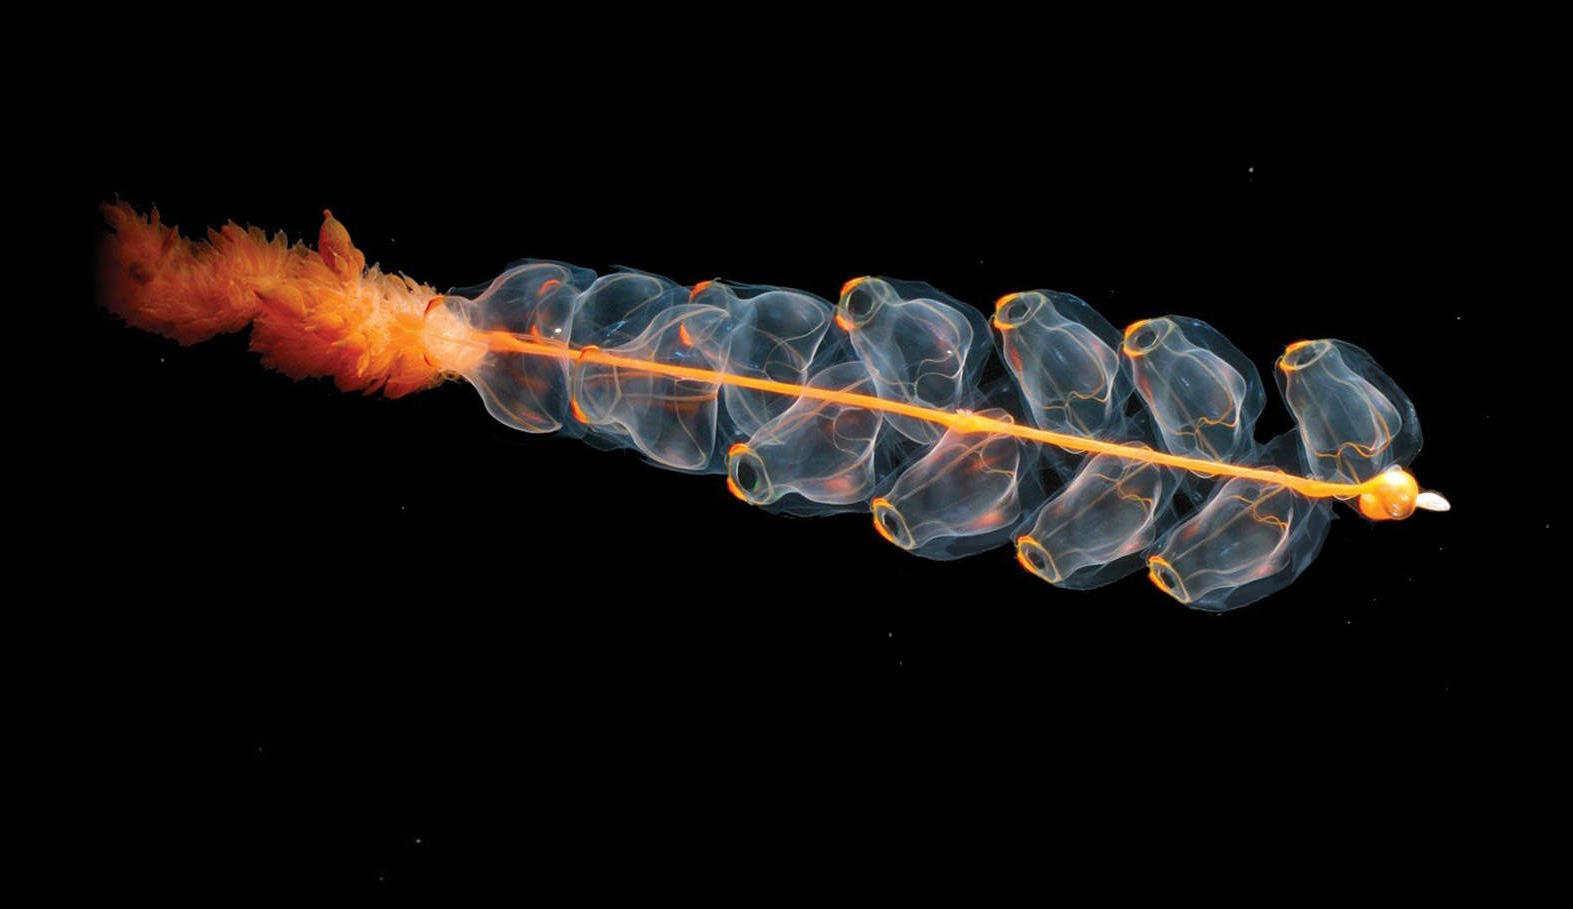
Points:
x=885 y=513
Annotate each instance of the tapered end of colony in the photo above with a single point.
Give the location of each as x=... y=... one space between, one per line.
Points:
x=1395 y=496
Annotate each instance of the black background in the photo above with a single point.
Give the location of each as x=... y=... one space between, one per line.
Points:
x=393 y=645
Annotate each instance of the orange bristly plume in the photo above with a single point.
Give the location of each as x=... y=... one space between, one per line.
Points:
x=312 y=313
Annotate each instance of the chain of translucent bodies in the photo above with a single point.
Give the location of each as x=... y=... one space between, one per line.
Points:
x=774 y=389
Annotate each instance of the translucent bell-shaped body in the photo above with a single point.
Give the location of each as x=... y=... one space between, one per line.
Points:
x=916 y=349
x=534 y=300
x=671 y=419
x=1085 y=536
x=1248 y=540
x=821 y=450
x=1204 y=394
x=1354 y=421
x=1064 y=359
x=965 y=486
x=617 y=308
x=774 y=335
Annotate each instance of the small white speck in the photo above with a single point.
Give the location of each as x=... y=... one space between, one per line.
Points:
x=1250 y=170
x=161 y=359
x=557 y=331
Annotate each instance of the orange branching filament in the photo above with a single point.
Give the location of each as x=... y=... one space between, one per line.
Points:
x=873 y=404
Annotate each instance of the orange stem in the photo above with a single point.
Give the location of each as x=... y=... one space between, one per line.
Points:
x=961 y=421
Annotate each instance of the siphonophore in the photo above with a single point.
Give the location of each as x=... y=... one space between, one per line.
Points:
x=1095 y=453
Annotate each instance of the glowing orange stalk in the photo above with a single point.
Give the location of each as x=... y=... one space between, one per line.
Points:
x=1392 y=488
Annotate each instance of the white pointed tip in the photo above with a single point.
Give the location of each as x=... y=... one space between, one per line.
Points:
x=1431 y=501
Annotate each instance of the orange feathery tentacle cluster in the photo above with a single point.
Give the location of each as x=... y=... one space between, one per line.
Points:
x=313 y=313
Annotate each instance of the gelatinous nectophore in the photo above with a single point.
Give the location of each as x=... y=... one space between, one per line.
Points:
x=1097 y=453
